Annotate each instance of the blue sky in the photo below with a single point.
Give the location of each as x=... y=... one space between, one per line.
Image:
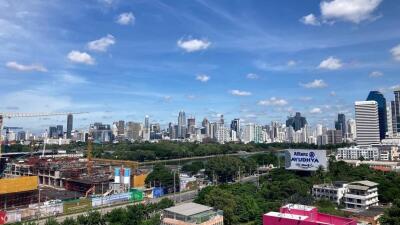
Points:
x=257 y=60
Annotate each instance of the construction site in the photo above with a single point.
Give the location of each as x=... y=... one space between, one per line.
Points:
x=30 y=184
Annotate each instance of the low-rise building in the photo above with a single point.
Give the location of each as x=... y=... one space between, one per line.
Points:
x=293 y=214
x=361 y=195
x=387 y=152
x=192 y=213
x=356 y=152
x=332 y=191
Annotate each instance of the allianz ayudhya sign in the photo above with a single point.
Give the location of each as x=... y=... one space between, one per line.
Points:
x=305 y=159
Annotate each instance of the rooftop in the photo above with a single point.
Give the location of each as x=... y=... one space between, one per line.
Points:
x=286 y=215
x=189 y=209
x=299 y=207
x=365 y=183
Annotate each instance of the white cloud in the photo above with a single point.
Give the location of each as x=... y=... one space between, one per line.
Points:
x=81 y=57
x=101 y=44
x=331 y=63
x=310 y=19
x=73 y=79
x=25 y=68
x=315 y=110
x=192 y=45
x=291 y=63
x=273 y=101
x=167 y=98
x=203 y=78
x=252 y=76
x=239 y=93
x=376 y=74
x=396 y=52
x=315 y=84
x=354 y=11
x=126 y=18
x=333 y=93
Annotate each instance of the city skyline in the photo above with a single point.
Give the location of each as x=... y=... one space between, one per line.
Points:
x=121 y=60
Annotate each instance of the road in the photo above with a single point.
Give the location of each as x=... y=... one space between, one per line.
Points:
x=178 y=197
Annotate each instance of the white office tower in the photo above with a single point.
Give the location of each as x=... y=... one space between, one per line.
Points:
x=367 y=123
x=389 y=119
x=146 y=130
x=351 y=129
x=318 y=129
x=248 y=133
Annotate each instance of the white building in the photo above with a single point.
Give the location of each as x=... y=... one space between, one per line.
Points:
x=356 y=152
x=333 y=192
x=367 y=123
x=361 y=195
x=387 y=152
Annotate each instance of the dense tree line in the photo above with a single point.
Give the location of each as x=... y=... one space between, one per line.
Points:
x=244 y=203
x=146 y=151
x=141 y=214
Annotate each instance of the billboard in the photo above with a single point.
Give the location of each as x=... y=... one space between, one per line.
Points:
x=305 y=159
x=111 y=199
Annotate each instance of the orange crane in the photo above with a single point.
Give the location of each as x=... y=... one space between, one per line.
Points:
x=10 y=115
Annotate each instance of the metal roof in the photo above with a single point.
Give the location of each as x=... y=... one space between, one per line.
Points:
x=365 y=183
x=189 y=209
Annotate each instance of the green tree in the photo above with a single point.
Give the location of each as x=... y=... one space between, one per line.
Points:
x=391 y=215
x=161 y=176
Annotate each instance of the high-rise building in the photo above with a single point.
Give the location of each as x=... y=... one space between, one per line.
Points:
x=334 y=137
x=101 y=132
x=235 y=126
x=191 y=125
x=351 y=129
x=395 y=105
x=297 y=121
x=206 y=127
x=367 y=123
x=120 y=128
x=181 y=125
x=70 y=119
x=53 y=132
x=60 y=131
x=340 y=124
x=133 y=131
x=146 y=130
x=382 y=114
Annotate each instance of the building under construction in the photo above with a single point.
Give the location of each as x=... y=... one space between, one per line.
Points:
x=65 y=173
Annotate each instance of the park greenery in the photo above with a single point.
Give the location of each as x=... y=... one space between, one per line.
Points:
x=246 y=202
x=146 y=151
x=140 y=214
x=161 y=176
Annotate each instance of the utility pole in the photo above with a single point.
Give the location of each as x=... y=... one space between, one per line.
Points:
x=174 y=187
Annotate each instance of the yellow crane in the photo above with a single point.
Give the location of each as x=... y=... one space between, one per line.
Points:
x=10 y=115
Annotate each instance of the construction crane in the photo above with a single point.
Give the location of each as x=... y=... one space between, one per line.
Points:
x=10 y=115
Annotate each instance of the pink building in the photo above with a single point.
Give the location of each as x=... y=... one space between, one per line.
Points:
x=303 y=215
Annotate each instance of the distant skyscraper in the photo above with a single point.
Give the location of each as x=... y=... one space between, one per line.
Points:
x=146 y=130
x=133 y=131
x=395 y=105
x=191 y=125
x=53 y=132
x=60 y=131
x=367 y=123
x=235 y=126
x=380 y=99
x=297 y=122
x=206 y=127
x=121 y=127
x=70 y=119
x=181 y=125
x=340 y=124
